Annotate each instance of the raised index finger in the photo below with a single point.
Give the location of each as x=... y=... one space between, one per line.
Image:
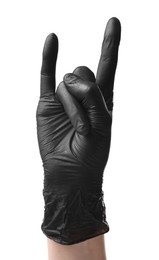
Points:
x=108 y=60
x=48 y=68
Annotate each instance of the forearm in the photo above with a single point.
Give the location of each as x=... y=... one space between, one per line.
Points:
x=91 y=249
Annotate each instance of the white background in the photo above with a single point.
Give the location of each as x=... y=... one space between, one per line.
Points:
x=131 y=182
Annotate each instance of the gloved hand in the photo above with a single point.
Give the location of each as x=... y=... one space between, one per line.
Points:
x=74 y=130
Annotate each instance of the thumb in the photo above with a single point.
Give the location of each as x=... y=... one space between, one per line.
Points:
x=89 y=94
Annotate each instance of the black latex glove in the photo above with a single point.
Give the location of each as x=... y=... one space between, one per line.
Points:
x=74 y=130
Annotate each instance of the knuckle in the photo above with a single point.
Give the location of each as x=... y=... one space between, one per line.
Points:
x=44 y=107
x=91 y=89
